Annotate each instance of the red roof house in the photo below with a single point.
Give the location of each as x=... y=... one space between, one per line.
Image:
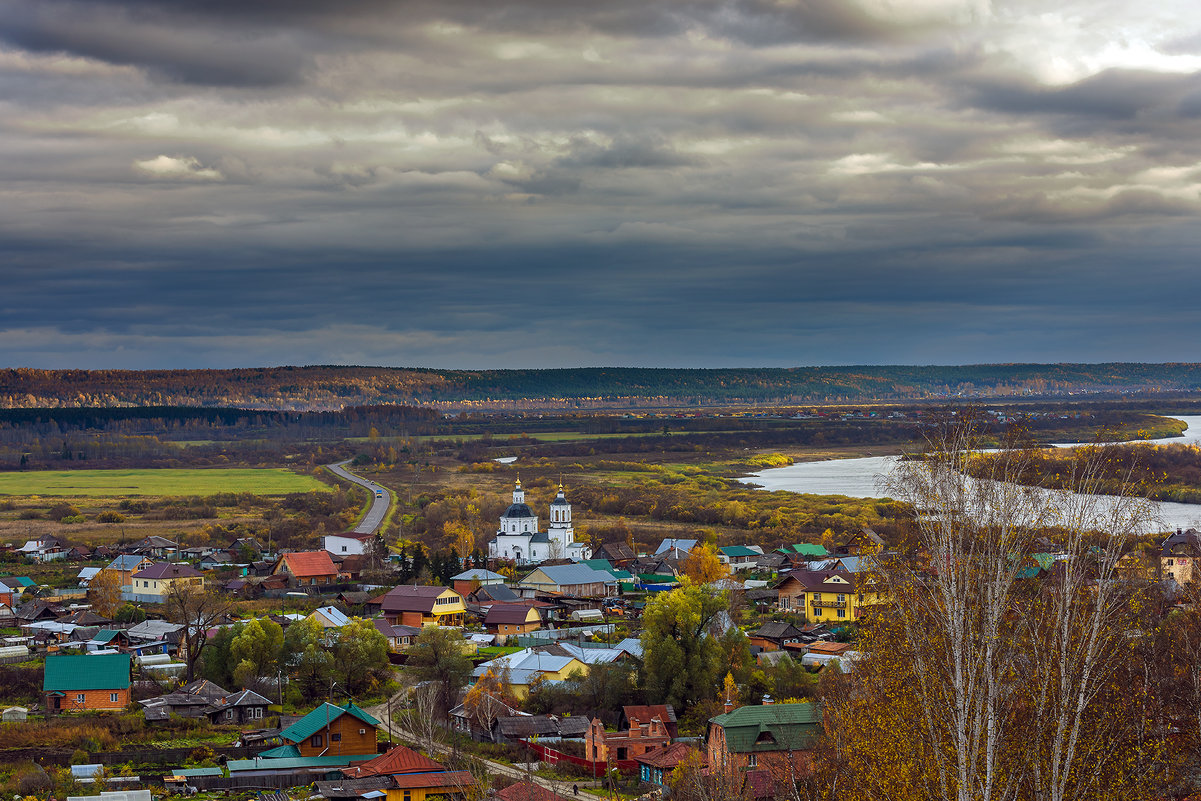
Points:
x=306 y=568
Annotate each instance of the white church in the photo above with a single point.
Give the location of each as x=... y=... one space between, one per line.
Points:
x=519 y=539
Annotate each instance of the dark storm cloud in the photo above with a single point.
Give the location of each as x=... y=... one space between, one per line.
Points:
x=694 y=182
x=151 y=39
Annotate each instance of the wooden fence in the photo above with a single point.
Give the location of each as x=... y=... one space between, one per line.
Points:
x=596 y=769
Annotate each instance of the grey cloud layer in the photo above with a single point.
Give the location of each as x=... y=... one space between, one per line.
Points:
x=520 y=183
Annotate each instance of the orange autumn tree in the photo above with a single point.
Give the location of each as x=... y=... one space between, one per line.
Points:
x=491 y=698
x=703 y=566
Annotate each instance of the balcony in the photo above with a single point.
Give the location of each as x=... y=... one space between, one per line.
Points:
x=829 y=604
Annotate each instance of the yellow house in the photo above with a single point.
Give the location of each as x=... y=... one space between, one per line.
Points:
x=826 y=596
x=414 y=777
x=423 y=606
x=152 y=584
x=529 y=667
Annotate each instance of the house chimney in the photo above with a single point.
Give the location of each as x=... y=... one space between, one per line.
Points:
x=767 y=700
x=728 y=706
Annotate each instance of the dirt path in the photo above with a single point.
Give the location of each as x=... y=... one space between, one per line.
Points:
x=382 y=713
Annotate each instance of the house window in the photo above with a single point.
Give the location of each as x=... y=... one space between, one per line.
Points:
x=408 y=795
x=112 y=698
x=317 y=740
x=842 y=613
x=229 y=714
x=343 y=549
x=80 y=697
x=1169 y=563
x=752 y=761
x=842 y=599
x=817 y=611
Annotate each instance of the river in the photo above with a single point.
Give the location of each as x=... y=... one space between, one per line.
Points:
x=861 y=478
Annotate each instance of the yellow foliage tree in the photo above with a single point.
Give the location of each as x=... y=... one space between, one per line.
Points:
x=702 y=565
x=104 y=593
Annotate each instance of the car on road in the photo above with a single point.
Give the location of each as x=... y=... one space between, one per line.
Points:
x=379 y=494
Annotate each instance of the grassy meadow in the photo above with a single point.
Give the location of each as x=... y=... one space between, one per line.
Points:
x=155 y=482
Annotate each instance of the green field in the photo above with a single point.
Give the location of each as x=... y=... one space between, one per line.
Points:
x=102 y=483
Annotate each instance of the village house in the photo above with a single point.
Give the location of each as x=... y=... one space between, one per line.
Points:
x=400 y=774
x=618 y=554
x=44 y=549
x=413 y=605
x=351 y=544
x=527 y=791
x=1180 y=556
x=240 y=708
x=125 y=566
x=774 y=635
x=655 y=767
x=776 y=737
x=332 y=730
x=306 y=568
x=505 y=620
x=399 y=637
x=157 y=547
x=532 y=665
x=87 y=683
x=824 y=596
x=152 y=584
x=639 y=737
x=739 y=557
x=469 y=581
x=578 y=580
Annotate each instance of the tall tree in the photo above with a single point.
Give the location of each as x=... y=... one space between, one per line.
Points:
x=198 y=609
x=437 y=656
x=681 y=656
x=104 y=593
x=360 y=657
x=255 y=651
x=981 y=684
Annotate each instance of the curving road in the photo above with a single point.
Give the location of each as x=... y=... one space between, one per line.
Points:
x=381 y=499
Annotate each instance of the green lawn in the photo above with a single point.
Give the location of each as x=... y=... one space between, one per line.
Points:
x=101 y=483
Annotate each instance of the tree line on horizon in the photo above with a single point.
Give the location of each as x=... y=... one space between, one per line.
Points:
x=337 y=387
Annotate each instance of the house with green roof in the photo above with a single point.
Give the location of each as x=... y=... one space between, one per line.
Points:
x=86 y=682
x=332 y=730
x=739 y=557
x=773 y=736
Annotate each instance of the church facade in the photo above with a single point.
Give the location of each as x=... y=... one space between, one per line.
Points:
x=518 y=537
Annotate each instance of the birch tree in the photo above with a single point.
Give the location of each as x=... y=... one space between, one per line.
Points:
x=981 y=683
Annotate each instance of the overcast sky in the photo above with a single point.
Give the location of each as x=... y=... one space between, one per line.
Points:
x=223 y=183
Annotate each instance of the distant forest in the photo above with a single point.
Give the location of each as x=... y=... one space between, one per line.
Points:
x=333 y=388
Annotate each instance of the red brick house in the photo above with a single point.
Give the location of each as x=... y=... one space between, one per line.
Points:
x=619 y=746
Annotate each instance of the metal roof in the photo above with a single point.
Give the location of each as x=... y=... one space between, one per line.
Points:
x=574 y=574
x=322 y=716
x=86 y=672
x=771 y=727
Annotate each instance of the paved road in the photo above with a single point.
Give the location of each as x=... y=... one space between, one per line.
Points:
x=381 y=499
x=563 y=788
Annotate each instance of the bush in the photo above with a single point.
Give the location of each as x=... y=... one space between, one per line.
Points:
x=69 y=519
x=110 y=517
x=30 y=514
x=80 y=757
x=35 y=781
x=61 y=510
